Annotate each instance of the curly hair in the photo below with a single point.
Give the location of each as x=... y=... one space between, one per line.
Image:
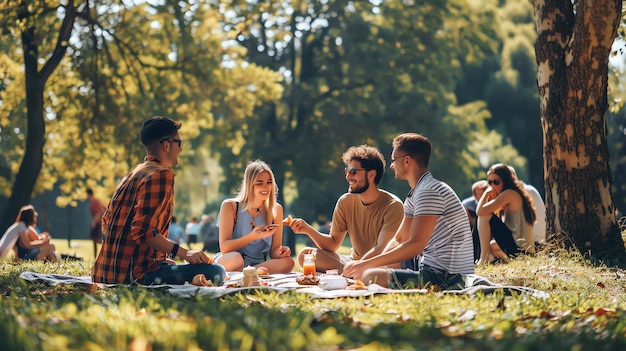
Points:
x=370 y=157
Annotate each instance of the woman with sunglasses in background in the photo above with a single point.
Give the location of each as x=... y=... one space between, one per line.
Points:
x=505 y=217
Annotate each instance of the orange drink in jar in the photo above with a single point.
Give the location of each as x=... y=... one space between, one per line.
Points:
x=308 y=266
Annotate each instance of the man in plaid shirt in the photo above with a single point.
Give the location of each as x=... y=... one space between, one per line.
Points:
x=135 y=223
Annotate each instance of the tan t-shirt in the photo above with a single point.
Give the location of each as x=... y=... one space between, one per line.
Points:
x=364 y=223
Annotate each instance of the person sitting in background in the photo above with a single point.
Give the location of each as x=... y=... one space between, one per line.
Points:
x=478 y=188
x=176 y=232
x=192 y=231
x=470 y=203
x=209 y=234
x=512 y=232
x=539 y=227
x=32 y=245
x=367 y=214
x=251 y=227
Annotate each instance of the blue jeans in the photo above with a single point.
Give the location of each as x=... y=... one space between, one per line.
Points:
x=426 y=277
x=178 y=274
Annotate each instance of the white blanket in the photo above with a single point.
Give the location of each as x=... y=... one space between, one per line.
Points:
x=9 y=238
x=287 y=282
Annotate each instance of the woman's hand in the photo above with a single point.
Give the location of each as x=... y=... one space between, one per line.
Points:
x=281 y=251
x=263 y=231
x=491 y=193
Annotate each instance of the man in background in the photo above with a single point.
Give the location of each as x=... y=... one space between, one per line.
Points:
x=96 y=208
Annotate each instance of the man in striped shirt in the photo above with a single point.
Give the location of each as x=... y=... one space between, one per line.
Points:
x=135 y=224
x=434 y=241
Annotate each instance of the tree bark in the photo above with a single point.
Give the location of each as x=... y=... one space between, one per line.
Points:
x=572 y=50
x=32 y=161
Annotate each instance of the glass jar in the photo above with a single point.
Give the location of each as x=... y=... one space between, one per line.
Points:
x=308 y=265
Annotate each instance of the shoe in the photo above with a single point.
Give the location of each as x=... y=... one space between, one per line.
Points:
x=70 y=257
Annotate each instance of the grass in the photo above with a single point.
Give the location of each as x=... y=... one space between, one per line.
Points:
x=585 y=311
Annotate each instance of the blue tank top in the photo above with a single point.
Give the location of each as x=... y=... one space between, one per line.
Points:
x=257 y=250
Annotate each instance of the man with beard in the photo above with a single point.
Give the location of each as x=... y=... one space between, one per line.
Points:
x=434 y=241
x=369 y=215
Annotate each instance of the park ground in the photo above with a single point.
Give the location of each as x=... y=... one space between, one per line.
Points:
x=585 y=310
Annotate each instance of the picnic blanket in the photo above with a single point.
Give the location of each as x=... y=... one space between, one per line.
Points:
x=287 y=282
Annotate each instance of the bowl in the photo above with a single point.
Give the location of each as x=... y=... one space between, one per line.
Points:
x=333 y=282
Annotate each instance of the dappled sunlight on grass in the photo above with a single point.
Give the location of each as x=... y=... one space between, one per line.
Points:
x=585 y=310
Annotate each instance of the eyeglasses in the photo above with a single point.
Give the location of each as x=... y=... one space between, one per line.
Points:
x=393 y=159
x=172 y=140
x=494 y=182
x=353 y=170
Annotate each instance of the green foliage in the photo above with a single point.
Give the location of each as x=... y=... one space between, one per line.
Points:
x=506 y=80
x=586 y=309
x=616 y=136
x=294 y=84
x=123 y=67
x=355 y=73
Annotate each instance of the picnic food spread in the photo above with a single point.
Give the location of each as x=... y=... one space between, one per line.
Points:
x=308 y=279
x=358 y=285
x=262 y=271
x=201 y=280
x=250 y=277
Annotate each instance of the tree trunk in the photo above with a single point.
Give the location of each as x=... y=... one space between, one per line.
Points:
x=33 y=153
x=572 y=51
x=32 y=160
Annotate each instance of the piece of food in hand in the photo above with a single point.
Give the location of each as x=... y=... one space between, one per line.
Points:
x=201 y=280
x=262 y=271
x=288 y=220
x=308 y=280
x=358 y=285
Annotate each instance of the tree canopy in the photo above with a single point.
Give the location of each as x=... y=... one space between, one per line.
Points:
x=293 y=83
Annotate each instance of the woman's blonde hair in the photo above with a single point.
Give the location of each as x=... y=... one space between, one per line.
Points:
x=246 y=190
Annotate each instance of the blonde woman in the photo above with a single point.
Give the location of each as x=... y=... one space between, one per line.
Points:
x=250 y=225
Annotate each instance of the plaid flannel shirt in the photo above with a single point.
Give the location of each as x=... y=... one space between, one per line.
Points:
x=141 y=208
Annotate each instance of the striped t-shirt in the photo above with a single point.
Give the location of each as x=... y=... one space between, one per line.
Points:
x=450 y=246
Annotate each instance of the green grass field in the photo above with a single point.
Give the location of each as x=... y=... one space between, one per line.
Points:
x=585 y=311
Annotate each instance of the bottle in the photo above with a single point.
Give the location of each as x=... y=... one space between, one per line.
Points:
x=308 y=266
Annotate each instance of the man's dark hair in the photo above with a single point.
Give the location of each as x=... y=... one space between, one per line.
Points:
x=89 y=191
x=173 y=219
x=158 y=128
